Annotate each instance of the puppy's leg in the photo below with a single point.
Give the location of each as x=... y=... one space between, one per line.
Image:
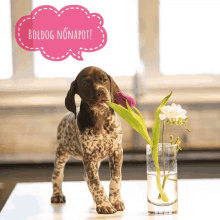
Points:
x=115 y=163
x=61 y=158
x=103 y=206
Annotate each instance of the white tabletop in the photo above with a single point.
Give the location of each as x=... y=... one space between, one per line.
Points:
x=198 y=199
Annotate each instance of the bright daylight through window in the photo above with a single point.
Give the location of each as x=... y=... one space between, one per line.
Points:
x=189 y=37
x=5 y=40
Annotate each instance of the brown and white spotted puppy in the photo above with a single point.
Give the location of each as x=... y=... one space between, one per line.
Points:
x=90 y=134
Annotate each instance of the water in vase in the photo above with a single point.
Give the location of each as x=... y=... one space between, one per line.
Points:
x=157 y=205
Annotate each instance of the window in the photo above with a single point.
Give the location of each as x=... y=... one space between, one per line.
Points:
x=5 y=40
x=189 y=37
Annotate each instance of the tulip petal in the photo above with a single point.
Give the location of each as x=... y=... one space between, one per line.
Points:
x=121 y=98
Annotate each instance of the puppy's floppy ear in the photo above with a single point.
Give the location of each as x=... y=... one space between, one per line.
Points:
x=113 y=89
x=70 y=98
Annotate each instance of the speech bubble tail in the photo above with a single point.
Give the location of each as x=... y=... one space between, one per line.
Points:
x=77 y=56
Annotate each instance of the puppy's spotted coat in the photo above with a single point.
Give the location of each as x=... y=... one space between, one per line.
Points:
x=90 y=134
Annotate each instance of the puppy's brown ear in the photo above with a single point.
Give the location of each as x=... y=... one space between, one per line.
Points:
x=113 y=89
x=70 y=98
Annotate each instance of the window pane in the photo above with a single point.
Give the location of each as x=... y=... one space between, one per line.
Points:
x=5 y=40
x=189 y=37
x=120 y=55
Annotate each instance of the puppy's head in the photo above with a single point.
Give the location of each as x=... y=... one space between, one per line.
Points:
x=94 y=86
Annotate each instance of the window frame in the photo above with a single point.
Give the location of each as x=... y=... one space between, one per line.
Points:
x=25 y=90
x=199 y=85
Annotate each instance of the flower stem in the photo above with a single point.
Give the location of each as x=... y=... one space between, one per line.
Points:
x=163 y=149
x=163 y=159
x=174 y=157
x=166 y=177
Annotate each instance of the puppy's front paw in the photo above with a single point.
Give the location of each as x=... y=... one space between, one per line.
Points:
x=105 y=208
x=58 y=198
x=119 y=205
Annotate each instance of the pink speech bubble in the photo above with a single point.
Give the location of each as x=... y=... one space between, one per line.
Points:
x=58 y=34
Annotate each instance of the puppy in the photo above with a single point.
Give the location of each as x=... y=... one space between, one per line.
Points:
x=90 y=134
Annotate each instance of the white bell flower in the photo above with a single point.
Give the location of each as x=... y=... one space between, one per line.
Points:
x=174 y=111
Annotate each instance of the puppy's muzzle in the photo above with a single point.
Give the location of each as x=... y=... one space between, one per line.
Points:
x=101 y=93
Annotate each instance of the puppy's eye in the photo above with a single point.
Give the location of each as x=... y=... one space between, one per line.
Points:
x=84 y=84
x=104 y=80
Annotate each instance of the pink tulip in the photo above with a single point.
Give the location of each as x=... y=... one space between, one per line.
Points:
x=120 y=98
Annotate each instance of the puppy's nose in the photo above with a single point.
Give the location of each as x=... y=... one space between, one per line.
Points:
x=100 y=92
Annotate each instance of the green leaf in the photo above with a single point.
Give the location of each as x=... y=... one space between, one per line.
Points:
x=139 y=113
x=156 y=127
x=134 y=120
x=156 y=136
x=156 y=132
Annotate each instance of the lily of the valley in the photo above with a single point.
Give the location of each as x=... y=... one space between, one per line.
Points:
x=172 y=112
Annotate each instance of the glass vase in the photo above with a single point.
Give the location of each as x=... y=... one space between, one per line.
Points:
x=165 y=176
